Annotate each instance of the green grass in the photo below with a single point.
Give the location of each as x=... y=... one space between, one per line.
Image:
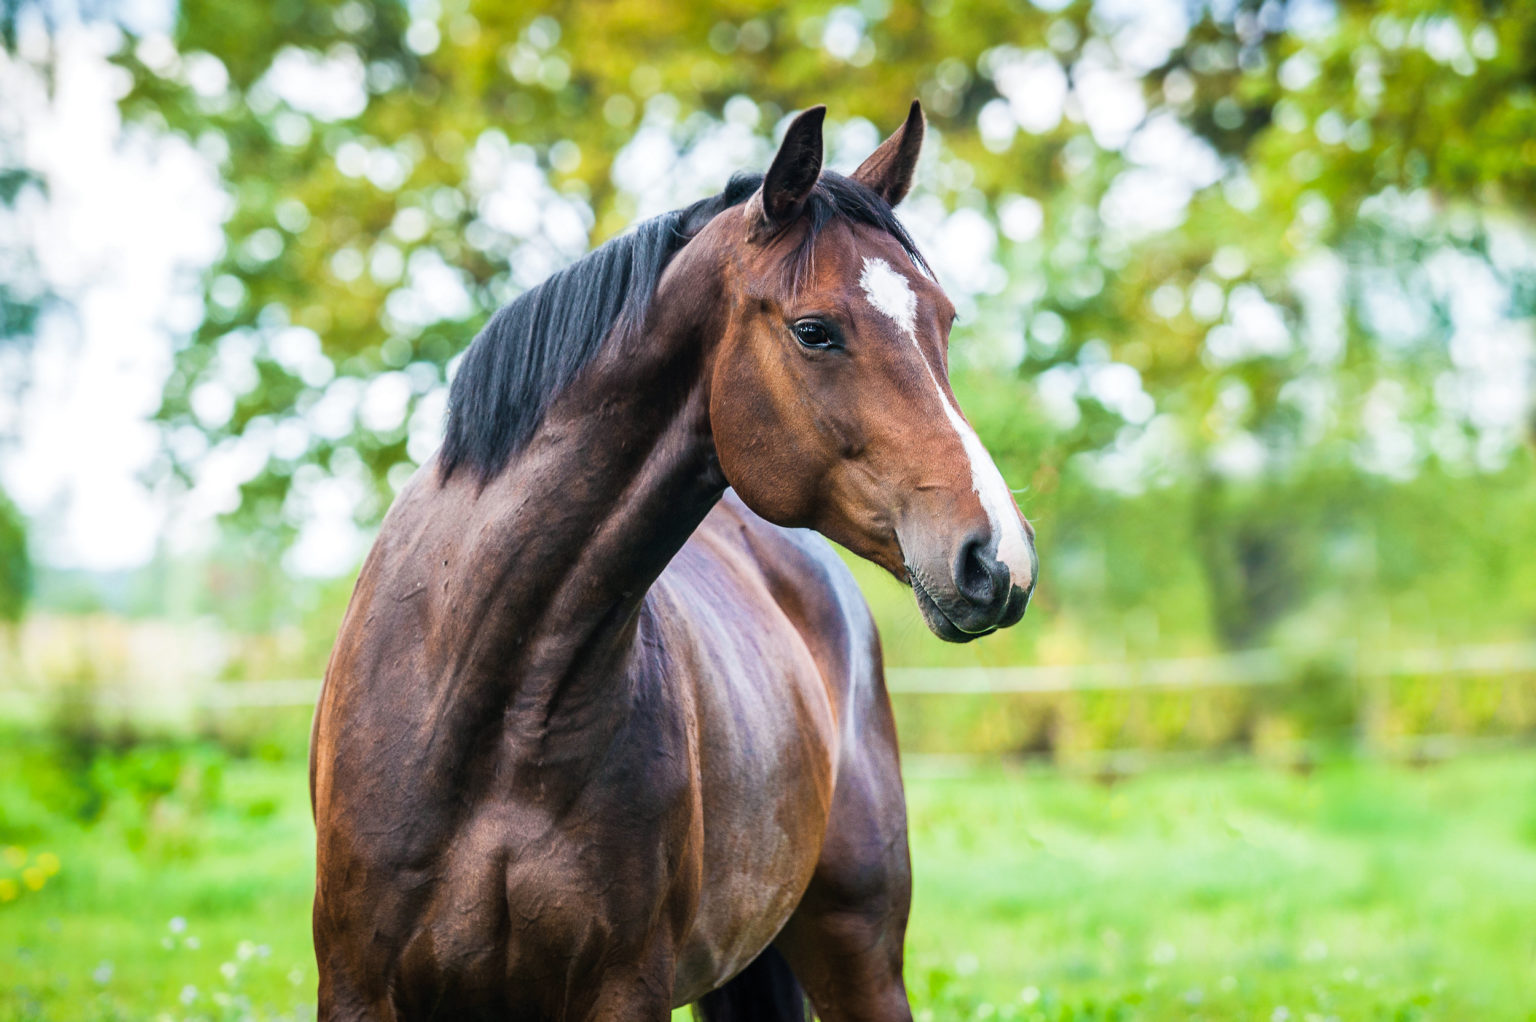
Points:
x=1362 y=891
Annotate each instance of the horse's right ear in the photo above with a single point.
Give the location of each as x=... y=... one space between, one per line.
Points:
x=792 y=175
x=888 y=171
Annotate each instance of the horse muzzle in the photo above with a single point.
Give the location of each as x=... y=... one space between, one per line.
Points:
x=968 y=591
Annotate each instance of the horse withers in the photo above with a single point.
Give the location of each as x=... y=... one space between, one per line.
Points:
x=605 y=730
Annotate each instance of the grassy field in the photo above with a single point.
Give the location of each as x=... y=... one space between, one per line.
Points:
x=172 y=881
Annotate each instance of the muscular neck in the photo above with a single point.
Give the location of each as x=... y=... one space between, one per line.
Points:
x=562 y=545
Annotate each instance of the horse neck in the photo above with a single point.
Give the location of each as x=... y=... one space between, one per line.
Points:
x=563 y=544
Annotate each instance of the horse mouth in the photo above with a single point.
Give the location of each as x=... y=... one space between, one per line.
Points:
x=940 y=623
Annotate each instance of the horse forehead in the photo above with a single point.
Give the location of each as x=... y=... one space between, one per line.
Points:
x=904 y=300
x=890 y=291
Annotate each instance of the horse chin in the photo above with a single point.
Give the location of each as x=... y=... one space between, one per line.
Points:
x=939 y=623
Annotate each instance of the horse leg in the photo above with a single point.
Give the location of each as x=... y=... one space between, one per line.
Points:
x=637 y=992
x=844 y=941
x=629 y=1002
x=339 y=1001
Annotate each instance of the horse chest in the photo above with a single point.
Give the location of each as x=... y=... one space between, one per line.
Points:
x=701 y=842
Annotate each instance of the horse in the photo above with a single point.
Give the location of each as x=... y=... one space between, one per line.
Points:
x=605 y=731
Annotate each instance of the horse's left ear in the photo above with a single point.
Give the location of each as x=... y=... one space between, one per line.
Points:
x=888 y=171
x=793 y=174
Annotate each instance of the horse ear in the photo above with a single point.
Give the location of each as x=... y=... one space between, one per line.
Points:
x=888 y=171
x=794 y=171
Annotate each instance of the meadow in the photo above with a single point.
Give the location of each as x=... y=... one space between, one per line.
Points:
x=1247 y=299
x=170 y=879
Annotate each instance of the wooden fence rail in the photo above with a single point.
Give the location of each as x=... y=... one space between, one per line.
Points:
x=1257 y=667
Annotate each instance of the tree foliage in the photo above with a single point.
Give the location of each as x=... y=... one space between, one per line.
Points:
x=15 y=565
x=1242 y=250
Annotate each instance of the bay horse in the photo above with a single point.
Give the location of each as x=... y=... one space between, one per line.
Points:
x=605 y=730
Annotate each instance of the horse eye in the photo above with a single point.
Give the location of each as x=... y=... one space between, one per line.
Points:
x=814 y=334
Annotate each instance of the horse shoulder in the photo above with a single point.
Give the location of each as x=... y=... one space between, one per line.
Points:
x=817 y=593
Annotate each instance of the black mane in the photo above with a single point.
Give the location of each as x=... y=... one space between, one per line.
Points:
x=534 y=346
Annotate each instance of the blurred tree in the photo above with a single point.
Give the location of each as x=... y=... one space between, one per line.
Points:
x=1245 y=250
x=397 y=174
x=1378 y=161
x=24 y=294
x=22 y=298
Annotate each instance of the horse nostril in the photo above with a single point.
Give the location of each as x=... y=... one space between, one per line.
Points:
x=979 y=576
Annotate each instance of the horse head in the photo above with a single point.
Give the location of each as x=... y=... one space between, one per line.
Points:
x=829 y=402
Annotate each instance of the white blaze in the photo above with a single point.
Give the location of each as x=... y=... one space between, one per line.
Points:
x=889 y=292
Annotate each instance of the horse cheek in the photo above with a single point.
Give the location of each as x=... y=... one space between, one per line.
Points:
x=761 y=455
